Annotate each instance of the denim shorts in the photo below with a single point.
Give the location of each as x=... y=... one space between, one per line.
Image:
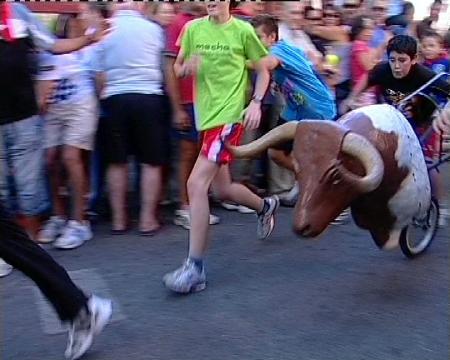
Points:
x=191 y=134
x=22 y=179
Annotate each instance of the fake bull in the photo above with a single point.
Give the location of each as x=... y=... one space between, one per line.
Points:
x=370 y=159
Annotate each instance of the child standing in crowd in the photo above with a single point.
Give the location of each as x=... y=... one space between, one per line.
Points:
x=433 y=52
x=69 y=129
x=363 y=58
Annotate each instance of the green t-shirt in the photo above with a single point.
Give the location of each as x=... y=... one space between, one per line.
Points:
x=221 y=84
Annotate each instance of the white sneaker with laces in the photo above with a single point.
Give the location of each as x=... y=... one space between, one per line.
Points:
x=290 y=198
x=75 y=234
x=52 y=229
x=182 y=218
x=5 y=268
x=266 y=220
x=186 y=279
x=229 y=206
x=245 y=210
x=87 y=325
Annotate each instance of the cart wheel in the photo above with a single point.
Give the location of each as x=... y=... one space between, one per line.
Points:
x=417 y=237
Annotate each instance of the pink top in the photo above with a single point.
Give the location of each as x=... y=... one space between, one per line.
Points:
x=359 y=48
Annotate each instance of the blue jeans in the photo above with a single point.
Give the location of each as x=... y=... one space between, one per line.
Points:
x=22 y=181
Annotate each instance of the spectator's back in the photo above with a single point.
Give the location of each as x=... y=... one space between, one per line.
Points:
x=131 y=55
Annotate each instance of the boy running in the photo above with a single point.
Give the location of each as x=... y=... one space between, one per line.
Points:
x=216 y=50
x=305 y=94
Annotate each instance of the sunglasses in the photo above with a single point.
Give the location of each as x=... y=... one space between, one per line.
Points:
x=378 y=8
x=351 y=6
x=315 y=19
x=333 y=15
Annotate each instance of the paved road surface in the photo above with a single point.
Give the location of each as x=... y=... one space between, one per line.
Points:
x=336 y=298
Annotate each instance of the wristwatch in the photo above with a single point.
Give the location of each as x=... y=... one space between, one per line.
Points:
x=257 y=98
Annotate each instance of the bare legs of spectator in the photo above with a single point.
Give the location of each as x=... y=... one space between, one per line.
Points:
x=76 y=231
x=31 y=224
x=117 y=175
x=188 y=155
x=282 y=159
x=75 y=168
x=151 y=184
x=54 y=168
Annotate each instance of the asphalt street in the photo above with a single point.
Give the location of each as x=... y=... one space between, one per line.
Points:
x=334 y=298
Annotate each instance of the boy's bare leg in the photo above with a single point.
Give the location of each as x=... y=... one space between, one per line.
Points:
x=191 y=276
x=226 y=189
x=198 y=186
x=282 y=159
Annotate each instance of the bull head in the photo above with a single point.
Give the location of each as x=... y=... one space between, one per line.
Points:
x=333 y=167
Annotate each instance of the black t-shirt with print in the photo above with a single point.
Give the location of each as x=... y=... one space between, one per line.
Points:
x=393 y=90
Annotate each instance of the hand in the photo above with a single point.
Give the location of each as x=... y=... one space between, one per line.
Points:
x=252 y=116
x=192 y=65
x=96 y=34
x=181 y=120
x=345 y=106
x=441 y=122
x=407 y=111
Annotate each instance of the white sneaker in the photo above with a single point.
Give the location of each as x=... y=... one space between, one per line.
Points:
x=235 y=207
x=290 y=198
x=52 y=229
x=182 y=218
x=75 y=234
x=229 y=206
x=266 y=220
x=86 y=325
x=5 y=268
x=186 y=279
x=245 y=210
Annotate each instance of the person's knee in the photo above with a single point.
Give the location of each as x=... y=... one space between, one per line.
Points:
x=275 y=155
x=71 y=157
x=196 y=186
x=51 y=163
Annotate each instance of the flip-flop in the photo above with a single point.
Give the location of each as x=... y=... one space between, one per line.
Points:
x=149 y=233
x=119 y=231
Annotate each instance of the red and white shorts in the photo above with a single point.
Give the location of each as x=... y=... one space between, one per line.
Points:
x=214 y=140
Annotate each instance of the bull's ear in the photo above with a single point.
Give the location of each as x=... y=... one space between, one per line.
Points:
x=296 y=165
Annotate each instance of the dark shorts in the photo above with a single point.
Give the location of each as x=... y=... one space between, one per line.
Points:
x=136 y=124
x=286 y=146
x=190 y=134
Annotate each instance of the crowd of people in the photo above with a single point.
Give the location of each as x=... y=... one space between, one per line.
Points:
x=142 y=98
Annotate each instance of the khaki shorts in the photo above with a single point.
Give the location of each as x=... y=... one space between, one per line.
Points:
x=72 y=124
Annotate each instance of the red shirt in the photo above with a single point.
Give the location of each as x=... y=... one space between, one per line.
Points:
x=172 y=48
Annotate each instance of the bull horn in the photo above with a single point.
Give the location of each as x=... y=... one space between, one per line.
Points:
x=277 y=135
x=362 y=149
